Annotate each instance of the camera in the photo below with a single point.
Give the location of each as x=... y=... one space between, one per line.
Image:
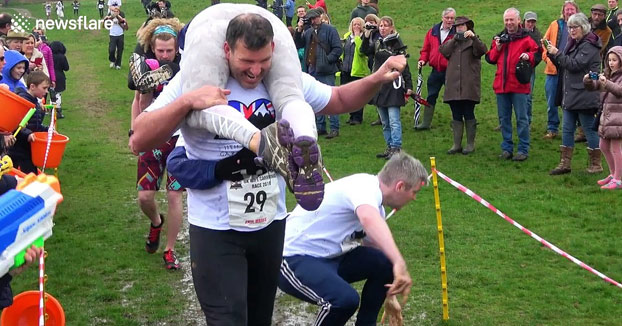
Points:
x=593 y=75
x=395 y=45
x=370 y=26
x=460 y=36
x=504 y=38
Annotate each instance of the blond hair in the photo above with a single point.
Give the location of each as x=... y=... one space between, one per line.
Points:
x=145 y=34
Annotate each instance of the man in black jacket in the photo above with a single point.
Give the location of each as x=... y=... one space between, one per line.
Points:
x=322 y=51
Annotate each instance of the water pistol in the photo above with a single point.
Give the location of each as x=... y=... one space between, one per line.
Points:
x=26 y=218
x=24 y=121
x=6 y=166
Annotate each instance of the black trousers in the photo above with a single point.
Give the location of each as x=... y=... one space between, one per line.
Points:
x=115 y=49
x=462 y=110
x=235 y=274
x=358 y=114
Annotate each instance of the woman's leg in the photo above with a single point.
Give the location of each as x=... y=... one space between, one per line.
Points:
x=395 y=123
x=386 y=127
x=569 y=125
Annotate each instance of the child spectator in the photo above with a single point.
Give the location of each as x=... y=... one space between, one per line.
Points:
x=60 y=66
x=14 y=69
x=610 y=116
x=38 y=84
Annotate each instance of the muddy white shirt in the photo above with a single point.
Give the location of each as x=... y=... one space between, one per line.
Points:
x=334 y=228
x=242 y=206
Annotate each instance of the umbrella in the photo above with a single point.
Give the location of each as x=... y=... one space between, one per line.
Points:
x=418 y=95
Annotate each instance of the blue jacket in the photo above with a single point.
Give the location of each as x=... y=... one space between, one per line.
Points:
x=193 y=174
x=327 y=52
x=289 y=7
x=12 y=58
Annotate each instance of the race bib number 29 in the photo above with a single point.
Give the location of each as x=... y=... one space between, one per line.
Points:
x=253 y=201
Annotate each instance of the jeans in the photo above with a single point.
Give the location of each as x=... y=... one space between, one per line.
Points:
x=320 y=120
x=115 y=49
x=550 y=87
x=436 y=80
x=570 y=118
x=530 y=97
x=505 y=102
x=391 y=126
x=325 y=282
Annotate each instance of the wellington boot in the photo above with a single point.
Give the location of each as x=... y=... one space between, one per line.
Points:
x=471 y=127
x=428 y=114
x=564 y=165
x=458 y=128
x=594 y=163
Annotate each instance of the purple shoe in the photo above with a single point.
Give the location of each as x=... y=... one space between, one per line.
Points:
x=308 y=182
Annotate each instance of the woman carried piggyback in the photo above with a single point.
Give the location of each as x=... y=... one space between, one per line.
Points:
x=609 y=122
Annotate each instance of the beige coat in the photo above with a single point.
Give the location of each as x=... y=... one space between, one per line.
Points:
x=462 y=78
x=611 y=99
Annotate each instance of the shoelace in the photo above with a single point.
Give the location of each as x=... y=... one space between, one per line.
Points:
x=153 y=233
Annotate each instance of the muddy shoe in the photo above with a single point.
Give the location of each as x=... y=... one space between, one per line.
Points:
x=308 y=183
x=152 y=79
x=275 y=149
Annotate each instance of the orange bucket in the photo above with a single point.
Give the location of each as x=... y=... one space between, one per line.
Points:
x=25 y=311
x=57 y=148
x=12 y=110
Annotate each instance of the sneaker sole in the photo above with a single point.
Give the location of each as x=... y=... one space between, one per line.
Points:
x=308 y=182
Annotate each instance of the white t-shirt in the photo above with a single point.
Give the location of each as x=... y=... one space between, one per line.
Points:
x=255 y=201
x=116 y=29
x=334 y=228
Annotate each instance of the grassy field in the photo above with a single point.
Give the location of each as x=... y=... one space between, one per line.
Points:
x=101 y=274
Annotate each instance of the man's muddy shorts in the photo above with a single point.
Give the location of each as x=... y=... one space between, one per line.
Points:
x=152 y=166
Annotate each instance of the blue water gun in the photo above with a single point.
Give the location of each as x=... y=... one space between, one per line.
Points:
x=26 y=218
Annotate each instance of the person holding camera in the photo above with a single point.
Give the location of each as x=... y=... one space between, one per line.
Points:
x=557 y=35
x=581 y=56
x=429 y=54
x=510 y=49
x=391 y=96
x=462 y=92
x=115 y=46
x=322 y=51
x=354 y=64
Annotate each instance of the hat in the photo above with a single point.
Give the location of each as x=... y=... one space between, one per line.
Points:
x=315 y=12
x=464 y=20
x=16 y=35
x=530 y=15
x=599 y=7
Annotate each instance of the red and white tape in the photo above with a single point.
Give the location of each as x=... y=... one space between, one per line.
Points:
x=549 y=245
x=41 y=291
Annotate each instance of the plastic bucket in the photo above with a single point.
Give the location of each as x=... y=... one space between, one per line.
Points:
x=57 y=148
x=12 y=110
x=25 y=311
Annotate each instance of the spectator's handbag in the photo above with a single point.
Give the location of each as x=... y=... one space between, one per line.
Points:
x=339 y=62
x=523 y=71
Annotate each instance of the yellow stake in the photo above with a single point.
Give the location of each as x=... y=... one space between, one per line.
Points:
x=441 y=241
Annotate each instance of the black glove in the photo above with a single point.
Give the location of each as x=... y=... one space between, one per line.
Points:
x=237 y=166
